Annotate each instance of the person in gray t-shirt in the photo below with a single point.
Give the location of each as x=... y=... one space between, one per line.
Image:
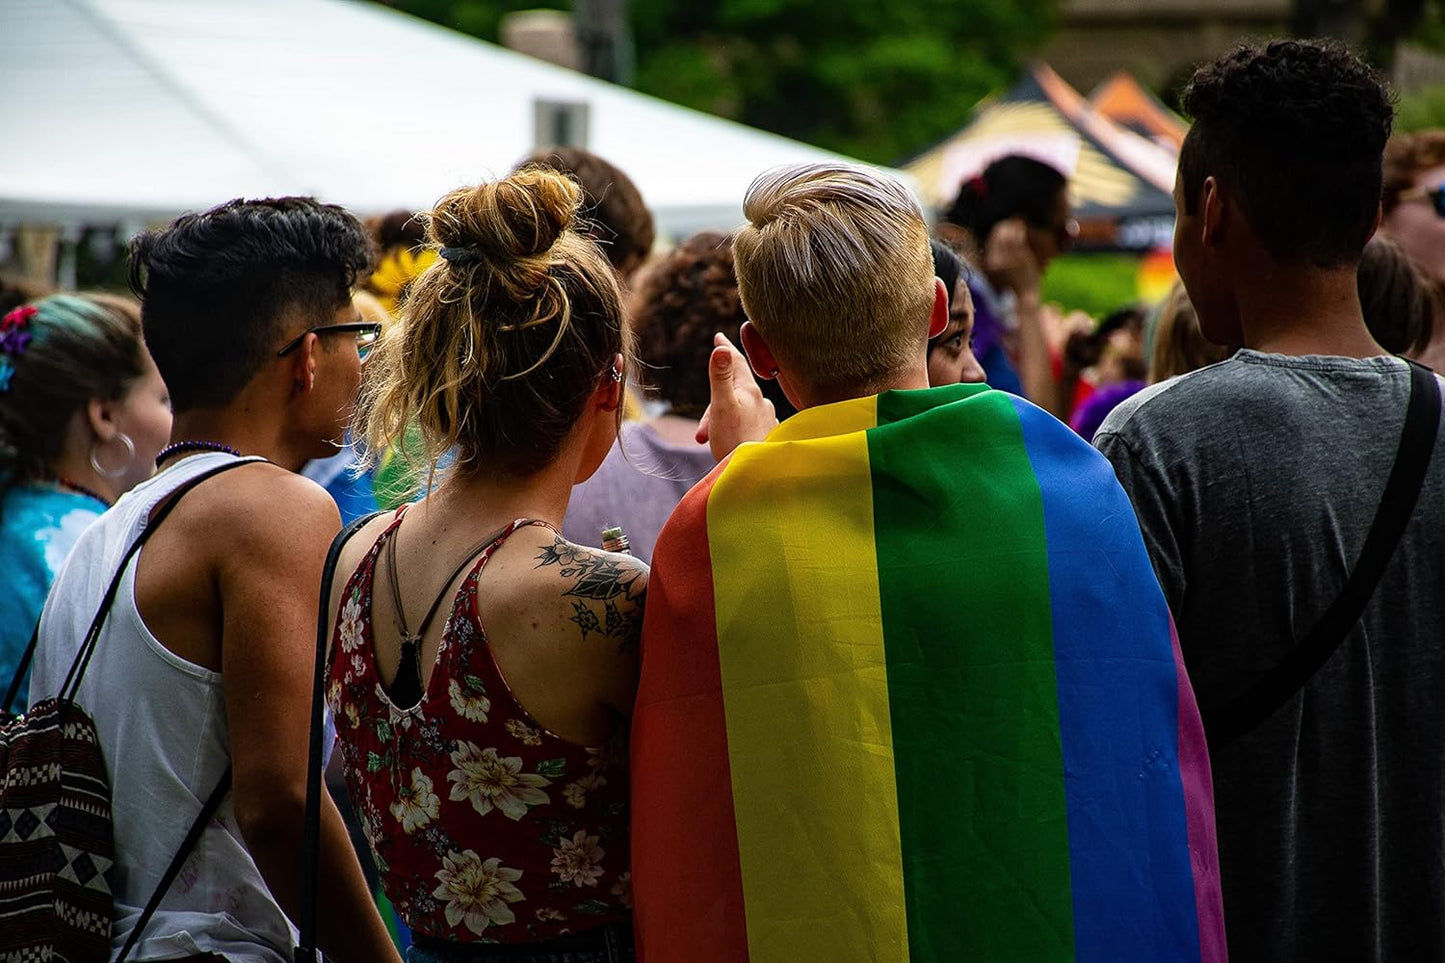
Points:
x=1255 y=481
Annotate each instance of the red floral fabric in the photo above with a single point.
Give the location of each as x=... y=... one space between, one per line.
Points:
x=484 y=825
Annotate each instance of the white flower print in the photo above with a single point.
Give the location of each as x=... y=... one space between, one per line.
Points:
x=622 y=889
x=549 y=915
x=489 y=780
x=524 y=732
x=577 y=860
x=358 y=664
x=576 y=793
x=349 y=626
x=475 y=892
x=333 y=695
x=416 y=805
x=470 y=704
x=353 y=714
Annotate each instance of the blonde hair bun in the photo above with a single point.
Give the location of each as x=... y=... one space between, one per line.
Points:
x=517 y=218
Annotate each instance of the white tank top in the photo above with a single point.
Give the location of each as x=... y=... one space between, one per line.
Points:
x=162 y=726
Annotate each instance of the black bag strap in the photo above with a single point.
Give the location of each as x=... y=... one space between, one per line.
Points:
x=14 y=691
x=1402 y=490
x=311 y=843
x=193 y=836
x=87 y=647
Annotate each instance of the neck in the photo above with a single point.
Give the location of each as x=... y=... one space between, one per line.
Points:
x=479 y=500
x=75 y=467
x=1303 y=310
x=240 y=428
x=915 y=376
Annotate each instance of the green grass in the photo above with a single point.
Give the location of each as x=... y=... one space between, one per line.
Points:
x=1096 y=283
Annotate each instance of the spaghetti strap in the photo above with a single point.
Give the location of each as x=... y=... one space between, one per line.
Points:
x=407 y=689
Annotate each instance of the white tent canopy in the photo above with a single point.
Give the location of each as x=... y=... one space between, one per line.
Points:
x=131 y=110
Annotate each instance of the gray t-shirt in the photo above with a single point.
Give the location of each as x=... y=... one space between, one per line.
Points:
x=1256 y=481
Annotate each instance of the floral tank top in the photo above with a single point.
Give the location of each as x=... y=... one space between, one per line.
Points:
x=485 y=826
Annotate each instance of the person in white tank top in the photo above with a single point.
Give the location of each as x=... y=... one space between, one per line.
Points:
x=206 y=658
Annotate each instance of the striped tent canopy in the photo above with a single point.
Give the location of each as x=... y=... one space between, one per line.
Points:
x=1129 y=103
x=1120 y=182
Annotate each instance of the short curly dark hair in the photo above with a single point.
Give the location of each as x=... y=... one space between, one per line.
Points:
x=681 y=300
x=216 y=287
x=1294 y=131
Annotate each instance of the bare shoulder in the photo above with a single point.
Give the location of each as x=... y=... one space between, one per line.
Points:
x=601 y=593
x=262 y=509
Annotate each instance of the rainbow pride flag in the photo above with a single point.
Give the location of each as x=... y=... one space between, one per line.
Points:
x=910 y=692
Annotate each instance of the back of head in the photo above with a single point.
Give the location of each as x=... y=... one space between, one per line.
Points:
x=1179 y=345
x=615 y=214
x=504 y=338
x=220 y=289
x=680 y=302
x=1012 y=186
x=835 y=271
x=1397 y=299
x=1293 y=132
x=1407 y=155
x=55 y=356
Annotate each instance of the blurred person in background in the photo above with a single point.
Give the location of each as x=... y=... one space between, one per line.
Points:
x=1179 y=346
x=950 y=354
x=681 y=301
x=485 y=748
x=1399 y=303
x=83 y=412
x=614 y=213
x=203 y=669
x=1413 y=201
x=1015 y=219
x=401 y=255
x=1110 y=359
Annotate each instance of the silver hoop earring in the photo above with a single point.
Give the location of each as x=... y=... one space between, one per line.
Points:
x=104 y=472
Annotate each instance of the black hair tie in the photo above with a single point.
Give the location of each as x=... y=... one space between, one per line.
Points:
x=460 y=255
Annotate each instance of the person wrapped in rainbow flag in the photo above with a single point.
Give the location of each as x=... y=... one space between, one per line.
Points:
x=910 y=689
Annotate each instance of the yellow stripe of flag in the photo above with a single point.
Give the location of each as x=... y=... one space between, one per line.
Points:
x=809 y=738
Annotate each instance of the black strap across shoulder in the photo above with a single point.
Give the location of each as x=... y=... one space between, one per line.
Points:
x=77 y=671
x=311 y=842
x=1402 y=490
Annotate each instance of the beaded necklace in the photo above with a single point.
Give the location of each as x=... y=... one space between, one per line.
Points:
x=181 y=447
x=80 y=489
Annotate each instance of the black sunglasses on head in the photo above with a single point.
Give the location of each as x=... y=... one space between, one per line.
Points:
x=366 y=334
x=1436 y=196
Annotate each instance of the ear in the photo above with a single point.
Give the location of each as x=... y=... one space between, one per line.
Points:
x=1211 y=212
x=938 y=320
x=303 y=364
x=98 y=416
x=760 y=356
x=610 y=386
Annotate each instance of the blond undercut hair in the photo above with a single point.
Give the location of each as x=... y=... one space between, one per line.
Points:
x=835 y=271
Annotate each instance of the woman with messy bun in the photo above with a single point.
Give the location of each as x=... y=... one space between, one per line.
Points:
x=482 y=668
x=83 y=413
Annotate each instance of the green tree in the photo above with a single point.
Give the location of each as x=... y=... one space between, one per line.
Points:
x=879 y=81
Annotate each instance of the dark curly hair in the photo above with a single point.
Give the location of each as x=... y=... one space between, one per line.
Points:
x=681 y=301
x=1293 y=131
x=217 y=288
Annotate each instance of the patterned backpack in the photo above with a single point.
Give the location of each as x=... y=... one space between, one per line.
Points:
x=56 y=840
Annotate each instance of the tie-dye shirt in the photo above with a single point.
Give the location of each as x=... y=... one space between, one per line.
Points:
x=39 y=524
